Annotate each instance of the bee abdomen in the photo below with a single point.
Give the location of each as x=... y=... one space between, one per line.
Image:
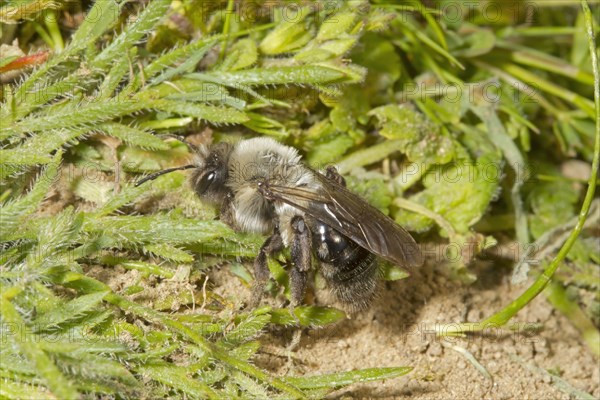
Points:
x=350 y=271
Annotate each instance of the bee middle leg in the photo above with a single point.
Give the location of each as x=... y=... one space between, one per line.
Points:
x=271 y=246
x=301 y=259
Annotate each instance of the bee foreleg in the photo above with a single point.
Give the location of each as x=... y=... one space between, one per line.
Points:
x=331 y=173
x=301 y=259
x=271 y=246
x=226 y=212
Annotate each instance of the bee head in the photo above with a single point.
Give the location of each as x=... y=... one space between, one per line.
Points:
x=211 y=172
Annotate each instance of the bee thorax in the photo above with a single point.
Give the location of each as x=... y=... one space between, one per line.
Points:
x=255 y=166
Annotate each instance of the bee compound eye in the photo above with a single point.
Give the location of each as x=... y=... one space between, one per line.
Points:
x=205 y=181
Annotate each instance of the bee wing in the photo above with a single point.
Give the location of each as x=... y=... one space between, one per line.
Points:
x=353 y=217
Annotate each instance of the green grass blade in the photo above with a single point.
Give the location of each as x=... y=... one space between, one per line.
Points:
x=559 y=299
x=513 y=155
x=346 y=378
x=537 y=59
x=545 y=85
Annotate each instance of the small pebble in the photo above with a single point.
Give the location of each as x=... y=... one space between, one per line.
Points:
x=435 y=350
x=474 y=315
x=540 y=346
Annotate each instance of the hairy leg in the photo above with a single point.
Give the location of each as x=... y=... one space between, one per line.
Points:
x=271 y=246
x=301 y=259
x=226 y=212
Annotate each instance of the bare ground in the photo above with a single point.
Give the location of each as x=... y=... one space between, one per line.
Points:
x=394 y=333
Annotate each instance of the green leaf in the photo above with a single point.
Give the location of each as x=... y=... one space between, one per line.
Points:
x=268 y=126
x=421 y=141
x=337 y=25
x=329 y=150
x=133 y=32
x=247 y=329
x=12 y=213
x=37 y=149
x=133 y=136
x=101 y=17
x=347 y=378
x=551 y=204
x=288 y=35
x=187 y=65
x=383 y=63
x=460 y=192
x=373 y=189
x=75 y=116
x=478 y=42
x=73 y=309
x=177 y=378
x=511 y=152
x=249 y=386
x=19 y=390
x=305 y=74
x=392 y=273
x=158 y=229
x=310 y=316
x=170 y=252
x=217 y=115
x=242 y=55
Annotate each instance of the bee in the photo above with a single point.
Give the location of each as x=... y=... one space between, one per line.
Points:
x=262 y=186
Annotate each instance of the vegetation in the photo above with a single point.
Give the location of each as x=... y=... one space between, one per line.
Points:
x=462 y=127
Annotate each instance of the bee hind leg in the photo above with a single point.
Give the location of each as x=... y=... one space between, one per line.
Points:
x=301 y=259
x=271 y=246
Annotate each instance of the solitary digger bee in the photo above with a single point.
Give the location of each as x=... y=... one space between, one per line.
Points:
x=262 y=186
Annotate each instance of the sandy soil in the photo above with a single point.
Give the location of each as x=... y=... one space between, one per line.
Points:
x=394 y=333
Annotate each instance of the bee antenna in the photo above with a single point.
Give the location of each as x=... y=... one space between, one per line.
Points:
x=192 y=147
x=164 y=171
